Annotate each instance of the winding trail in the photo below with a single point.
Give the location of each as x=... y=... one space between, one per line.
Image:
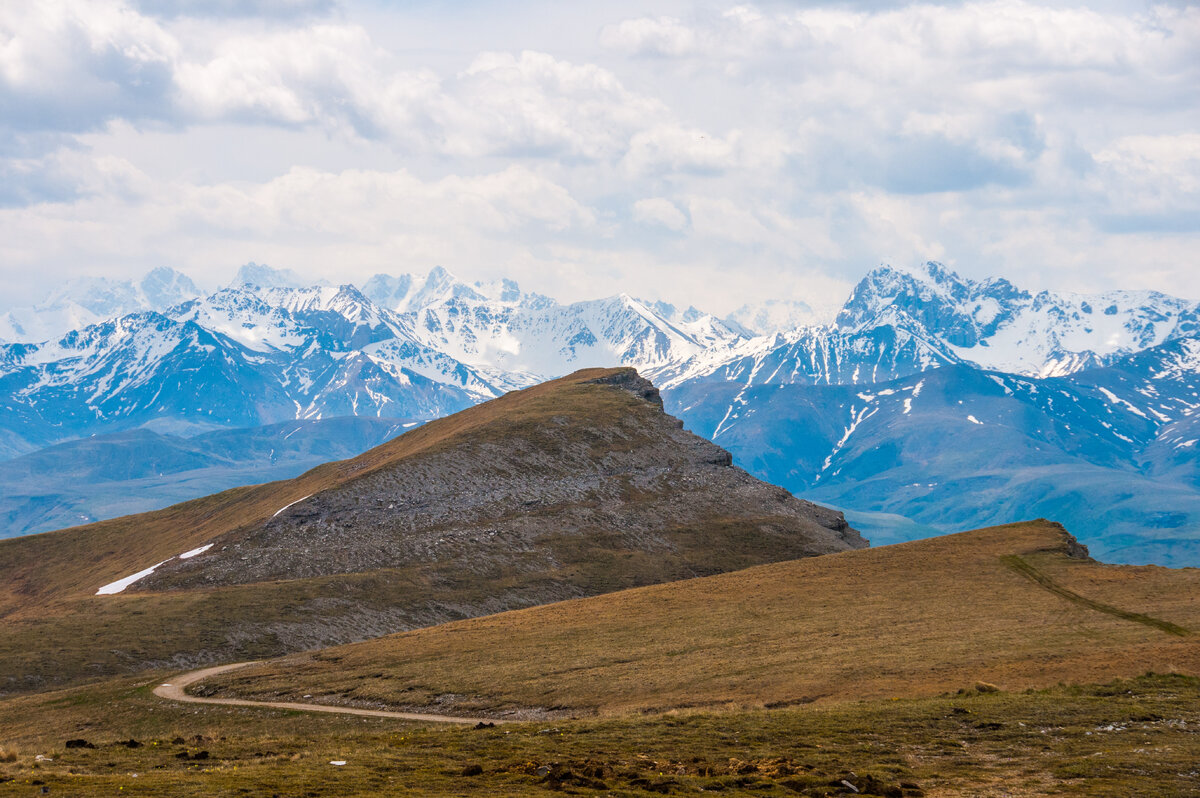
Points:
x=1021 y=566
x=176 y=690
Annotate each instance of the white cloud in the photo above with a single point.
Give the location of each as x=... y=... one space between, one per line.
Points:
x=652 y=36
x=659 y=211
x=72 y=65
x=536 y=104
x=1154 y=173
x=1048 y=142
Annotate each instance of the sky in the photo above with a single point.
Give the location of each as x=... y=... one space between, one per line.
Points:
x=712 y=154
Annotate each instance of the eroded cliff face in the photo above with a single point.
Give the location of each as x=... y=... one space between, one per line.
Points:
x=573 y=488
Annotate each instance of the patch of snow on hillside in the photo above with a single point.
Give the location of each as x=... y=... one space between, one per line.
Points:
x=856 y=419
x=187 y=555
x=284 y=507
x=118 y=586
x=1116 y=400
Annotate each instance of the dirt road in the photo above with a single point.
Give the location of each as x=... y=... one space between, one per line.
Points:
x=175 y=690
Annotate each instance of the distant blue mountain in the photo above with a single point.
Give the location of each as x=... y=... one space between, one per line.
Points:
x=138 y=470
x=1111 y=452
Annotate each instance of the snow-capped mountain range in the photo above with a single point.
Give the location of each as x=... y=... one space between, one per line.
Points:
x=160 y=355
x=268 y=349
x=85 y=301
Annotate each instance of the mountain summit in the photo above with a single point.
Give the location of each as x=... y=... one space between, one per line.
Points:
x=552 y=480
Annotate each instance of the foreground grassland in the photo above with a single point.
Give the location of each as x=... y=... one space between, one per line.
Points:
x=1005 y=605
x=1135 y=737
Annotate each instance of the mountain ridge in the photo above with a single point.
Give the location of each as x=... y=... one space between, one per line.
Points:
x=420 y=347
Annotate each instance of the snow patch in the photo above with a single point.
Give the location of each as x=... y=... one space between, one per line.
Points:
x=284 y=507
x=113 y=588
x=1116 y=400
x=187 y=555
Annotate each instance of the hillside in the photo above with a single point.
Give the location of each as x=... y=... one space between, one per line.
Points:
x=1018 y=606
x=571 y=488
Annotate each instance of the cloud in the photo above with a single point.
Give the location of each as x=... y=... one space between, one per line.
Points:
x=661 y=212
x=281 y=9
x=665 y=36
x=1042 y=140
x=356 y=220
x=1149 y=183
x=535 y=104
x=74 y=65
x=923 y=164
x=71 y=66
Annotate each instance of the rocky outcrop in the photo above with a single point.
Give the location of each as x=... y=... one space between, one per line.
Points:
x=573 y=488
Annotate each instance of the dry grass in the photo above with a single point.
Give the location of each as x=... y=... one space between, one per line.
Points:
x=1135 y=737
x=915 y=619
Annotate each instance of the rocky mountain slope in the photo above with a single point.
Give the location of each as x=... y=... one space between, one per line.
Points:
x=539 y=488
x=571 y=488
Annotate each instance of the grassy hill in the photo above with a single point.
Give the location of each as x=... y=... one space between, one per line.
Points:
x=575 y=487
x=855 y=673
x=1018 y=606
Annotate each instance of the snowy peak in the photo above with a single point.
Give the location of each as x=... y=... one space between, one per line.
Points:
x=414 y=346
x=407 y=293
x=260 y=275
x=85 y=301
x=959 y=310
x=241 y=314
x=164 y=287
x=999 y=327
x=778 y=315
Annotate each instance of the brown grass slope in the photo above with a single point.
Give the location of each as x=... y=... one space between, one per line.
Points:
x=1129 y=738
x=1007 y=605
x=575 y=487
